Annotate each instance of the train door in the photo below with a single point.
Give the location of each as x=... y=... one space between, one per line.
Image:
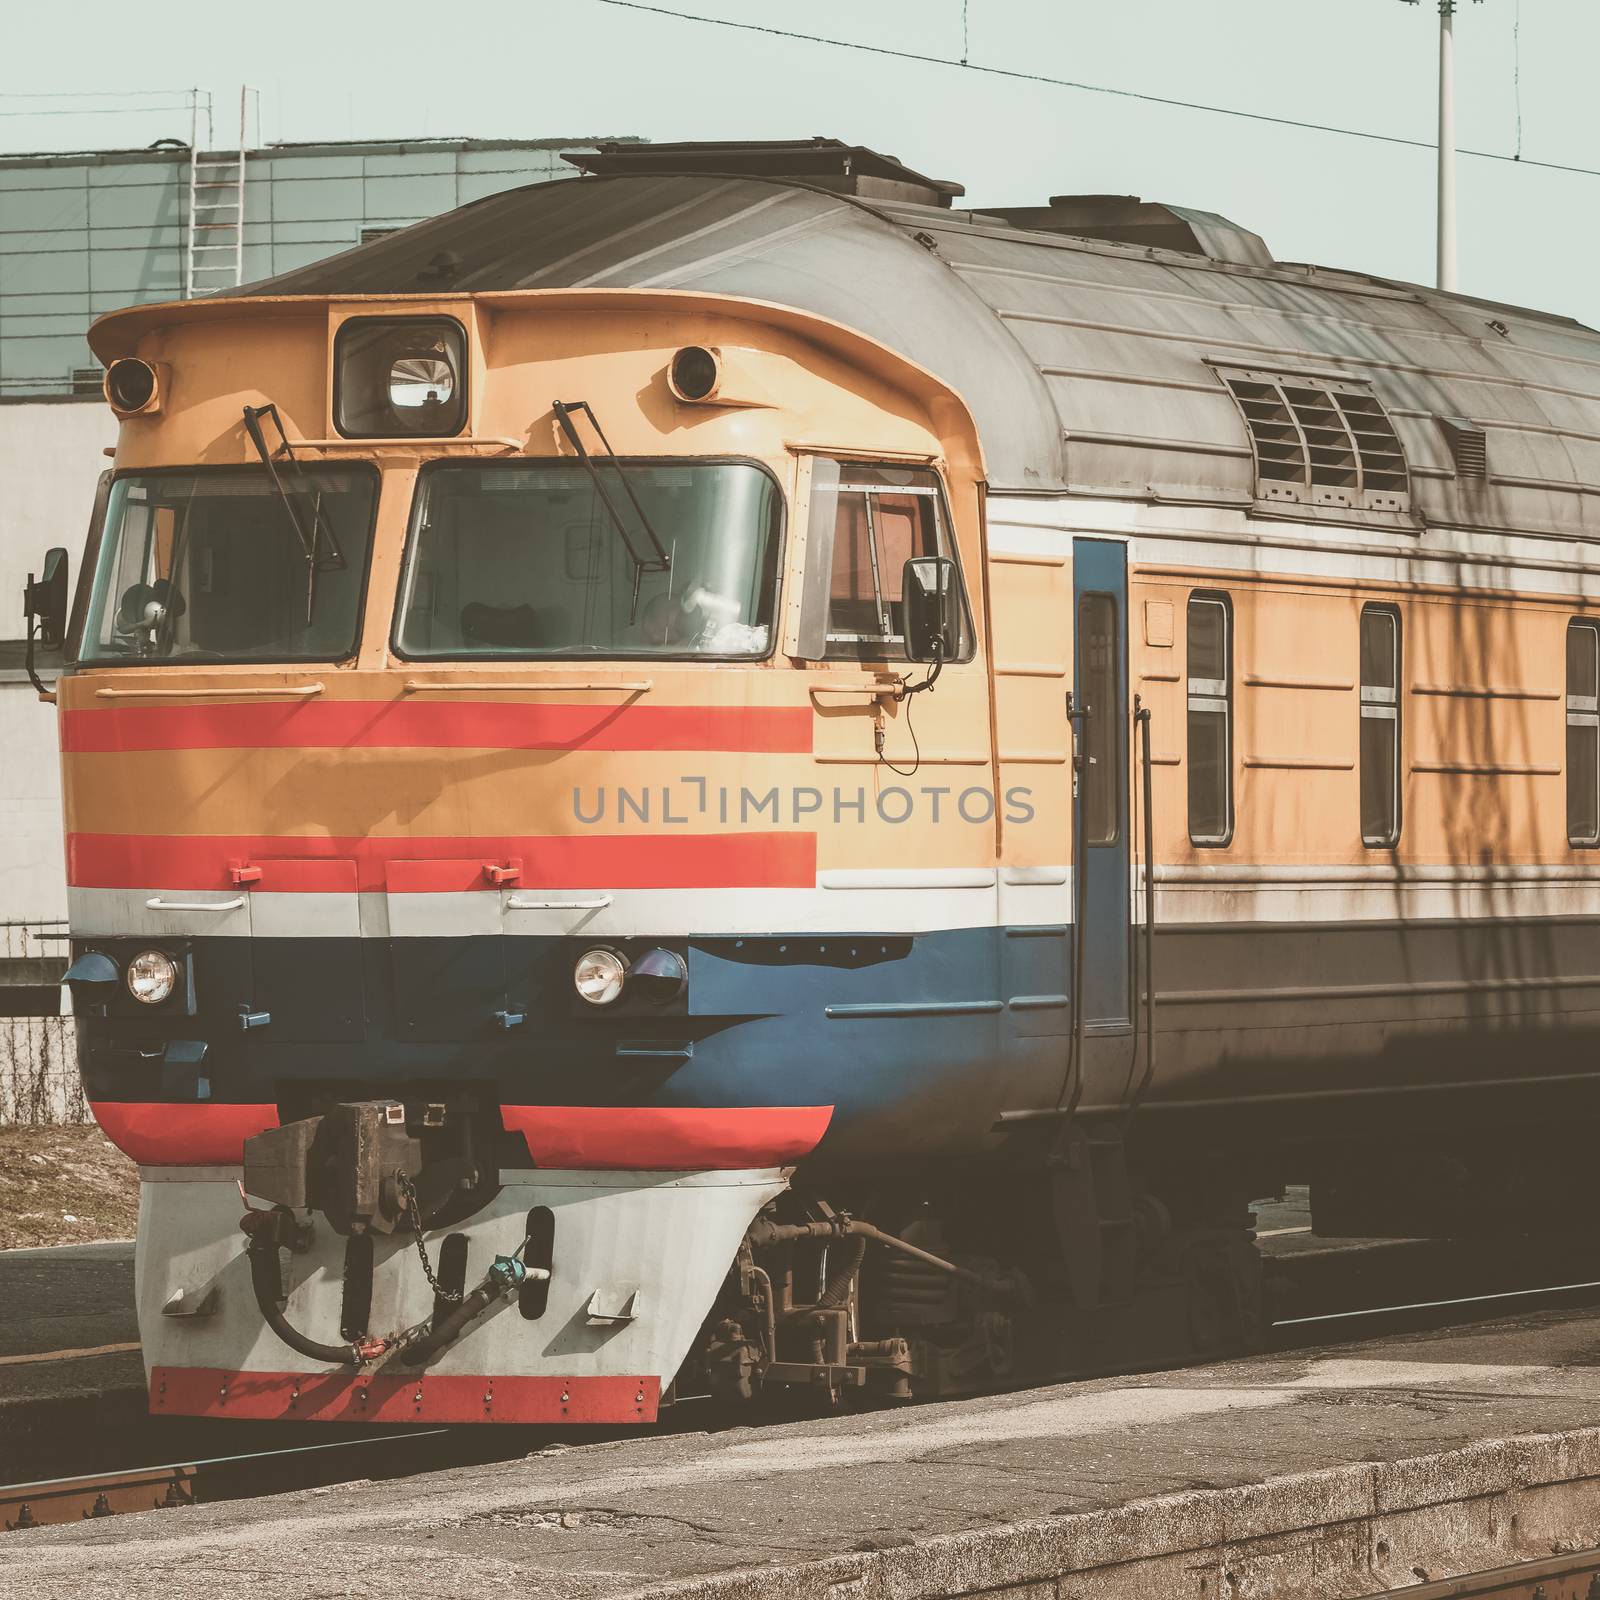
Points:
x=1103 y=977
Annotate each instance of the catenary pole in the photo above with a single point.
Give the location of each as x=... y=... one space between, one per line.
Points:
x=1446 y=211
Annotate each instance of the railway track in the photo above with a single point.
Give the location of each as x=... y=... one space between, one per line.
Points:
x=247 y=1475
x=251 y=1474
x=1565 y=1577
x=1420 y=1316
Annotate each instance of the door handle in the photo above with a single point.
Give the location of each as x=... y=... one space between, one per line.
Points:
x=1076 y=715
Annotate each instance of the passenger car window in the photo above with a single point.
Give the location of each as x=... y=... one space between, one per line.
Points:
x=1100 y=745
x=1210 y=760
x=1380 y=727
x=1583 y=733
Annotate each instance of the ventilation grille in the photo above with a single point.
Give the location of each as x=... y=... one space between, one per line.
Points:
x=87 y=380
x=1322 y=442
x=1469 y=448
x=381 y=230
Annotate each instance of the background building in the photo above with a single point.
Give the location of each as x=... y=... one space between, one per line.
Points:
x=82 y=234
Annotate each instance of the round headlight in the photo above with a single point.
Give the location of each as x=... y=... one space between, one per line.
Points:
x=598 y=976
x=151 y=977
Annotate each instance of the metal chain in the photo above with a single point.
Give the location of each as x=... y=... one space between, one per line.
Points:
x=408 y=1199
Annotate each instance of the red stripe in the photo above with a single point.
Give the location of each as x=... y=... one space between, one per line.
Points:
x=667 y=1138
x=446 y=724
x=381 y=1397
x=579 y=861
x=304 y=877
x=444 y=877
x=581 y=1138
x=181 y=1135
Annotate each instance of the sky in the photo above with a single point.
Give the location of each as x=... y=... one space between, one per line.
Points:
x=583 y=68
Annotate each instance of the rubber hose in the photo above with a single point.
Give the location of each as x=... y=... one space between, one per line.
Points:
x=837 y=1292
x=268 y=1285
x=451 y=1328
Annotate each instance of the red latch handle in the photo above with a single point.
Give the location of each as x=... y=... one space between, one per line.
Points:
x=245 y=874
x=498 y=875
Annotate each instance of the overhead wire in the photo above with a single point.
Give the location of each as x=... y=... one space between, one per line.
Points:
x=100 y=111
x=90 y=94
x=1017 y=75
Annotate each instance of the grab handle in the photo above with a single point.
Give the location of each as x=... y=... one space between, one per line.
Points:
x=514 y=904
x=277 y=692
x=156 y=903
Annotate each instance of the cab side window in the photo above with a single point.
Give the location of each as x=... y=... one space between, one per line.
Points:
x=866 y=522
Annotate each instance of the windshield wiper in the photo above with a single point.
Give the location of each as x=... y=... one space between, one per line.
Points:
x=307 y=540
x=660 y=560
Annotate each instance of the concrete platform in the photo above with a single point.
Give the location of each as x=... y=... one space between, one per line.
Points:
x=1342 y=1472
x=69 y=1356
x=75 y=1296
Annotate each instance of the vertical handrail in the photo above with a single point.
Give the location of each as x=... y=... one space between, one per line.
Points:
x=1076 y=712
x=1141 y=718
x=194 y=183
x=238 y=214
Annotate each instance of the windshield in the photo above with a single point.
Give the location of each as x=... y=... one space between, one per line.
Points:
x=214 y=566
x=525 y=560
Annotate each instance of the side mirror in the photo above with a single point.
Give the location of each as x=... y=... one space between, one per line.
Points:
x=46 y=599
x=932 y=599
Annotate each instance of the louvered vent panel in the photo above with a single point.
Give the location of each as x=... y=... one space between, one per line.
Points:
x=1469 y=448
x=1322 y=442
x=1280 y=449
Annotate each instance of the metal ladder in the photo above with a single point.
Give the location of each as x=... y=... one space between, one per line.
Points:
x=214 y=253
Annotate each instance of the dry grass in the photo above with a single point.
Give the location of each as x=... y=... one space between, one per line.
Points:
x=64 y=1186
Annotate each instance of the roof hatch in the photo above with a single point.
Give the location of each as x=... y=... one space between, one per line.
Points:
x=1126 y=219
x=824 y=163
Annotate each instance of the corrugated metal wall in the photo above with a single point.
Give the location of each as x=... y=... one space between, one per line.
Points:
x=85 y=233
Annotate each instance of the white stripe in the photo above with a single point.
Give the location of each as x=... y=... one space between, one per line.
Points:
x=1199 y=895
x=907 y=878
x=1034 y=896
x=319 y=916
x=882 y=903
x=110 y=913
x=1219 y=538
x=435 y=916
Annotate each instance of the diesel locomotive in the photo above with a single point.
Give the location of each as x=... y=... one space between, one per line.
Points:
x=723 y=776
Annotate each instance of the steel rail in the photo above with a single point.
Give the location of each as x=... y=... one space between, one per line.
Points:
x=251 y=1474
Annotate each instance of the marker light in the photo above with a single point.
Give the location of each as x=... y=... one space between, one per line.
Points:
x=598 y=976
x=133 y=387
x=694 y=373
x=658 y=975
x=151 y=977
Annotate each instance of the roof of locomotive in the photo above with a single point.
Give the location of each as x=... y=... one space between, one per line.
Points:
x=1089 y=365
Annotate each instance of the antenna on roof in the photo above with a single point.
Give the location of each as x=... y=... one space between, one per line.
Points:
x=1446 y=212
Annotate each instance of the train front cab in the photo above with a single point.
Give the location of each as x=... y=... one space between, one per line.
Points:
x=370 y=793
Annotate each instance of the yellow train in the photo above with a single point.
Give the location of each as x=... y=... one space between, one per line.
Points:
x=727 y=775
